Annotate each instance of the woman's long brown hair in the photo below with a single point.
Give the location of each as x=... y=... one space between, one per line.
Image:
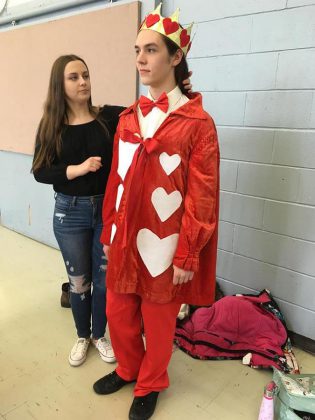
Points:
x=49 y=132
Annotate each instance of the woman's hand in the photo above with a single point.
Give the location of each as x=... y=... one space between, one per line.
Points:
x=92 y=164
x=181 y=276
x=187 y=84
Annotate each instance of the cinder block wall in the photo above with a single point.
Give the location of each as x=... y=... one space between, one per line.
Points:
x=254 y=62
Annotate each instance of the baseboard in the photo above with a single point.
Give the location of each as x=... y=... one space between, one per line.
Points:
x=304 y=343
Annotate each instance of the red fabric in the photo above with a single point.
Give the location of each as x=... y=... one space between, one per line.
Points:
x=151 y=20
x=169 y=26
x=146 y=105
x=190 y=133
x=139 y=159
x=125 y=313
x=184 y=38
x=233 y=327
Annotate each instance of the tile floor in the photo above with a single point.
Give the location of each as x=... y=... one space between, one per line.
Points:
x=36 y=334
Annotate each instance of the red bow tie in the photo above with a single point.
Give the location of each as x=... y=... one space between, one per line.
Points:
x=146 y=104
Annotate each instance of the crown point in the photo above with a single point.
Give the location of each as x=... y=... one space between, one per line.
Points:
x=157 y=10
x=175 y=15
x=189 y=28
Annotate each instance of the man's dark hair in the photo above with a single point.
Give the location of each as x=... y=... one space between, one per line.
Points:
x=181 y=70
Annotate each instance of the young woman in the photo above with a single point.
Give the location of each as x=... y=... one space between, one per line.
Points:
x=160 y=215
x=73 y=151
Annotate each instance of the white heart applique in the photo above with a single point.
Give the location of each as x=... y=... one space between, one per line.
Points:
x=126 y=152
x=120 y=191
x=157 y=254
x=169 y=163
x=165 y=204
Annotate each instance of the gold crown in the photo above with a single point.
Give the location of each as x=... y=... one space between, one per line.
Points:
x=170 y=27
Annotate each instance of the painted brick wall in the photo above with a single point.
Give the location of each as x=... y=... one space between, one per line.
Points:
x=254 y=62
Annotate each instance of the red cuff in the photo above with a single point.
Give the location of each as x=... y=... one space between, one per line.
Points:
x=189 y=262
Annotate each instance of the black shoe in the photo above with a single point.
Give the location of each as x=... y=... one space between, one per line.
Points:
x=110 y=384
x=65 y=296
x=143 y=408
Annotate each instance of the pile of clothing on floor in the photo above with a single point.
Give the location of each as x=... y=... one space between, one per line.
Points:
x=248 y=327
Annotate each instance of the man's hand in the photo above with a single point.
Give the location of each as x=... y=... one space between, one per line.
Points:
x=181 y=276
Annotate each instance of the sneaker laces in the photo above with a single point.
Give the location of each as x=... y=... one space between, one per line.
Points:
x=81 y=342
x=103 y=342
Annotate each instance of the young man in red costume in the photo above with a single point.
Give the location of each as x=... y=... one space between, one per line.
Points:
x=160 y=215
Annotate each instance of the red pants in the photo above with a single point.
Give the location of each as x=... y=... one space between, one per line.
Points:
x=125 y=313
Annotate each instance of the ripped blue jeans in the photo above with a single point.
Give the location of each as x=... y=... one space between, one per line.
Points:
x=77 y=227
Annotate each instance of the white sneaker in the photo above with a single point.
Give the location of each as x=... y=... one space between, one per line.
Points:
x=78 y=352
x=105 y=349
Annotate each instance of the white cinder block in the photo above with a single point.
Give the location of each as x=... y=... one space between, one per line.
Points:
x=276 y=182
x=290 y=219
x=296 y=69
x=226 y=232
x=285 y=29
x=204 y=76
x=294 y=148
x=298 y=319
x=231 y=288
x=248 y=144
x=282 y=283
x=241 y=209
x=279 y=109
x=312 y=116
x=228 y=36
x=226 y=108
x=294 y=3
x=247 y=72
x=202 y=10
x=235 y=73
x=307 y=187
x=228 y=175
x=279 y=250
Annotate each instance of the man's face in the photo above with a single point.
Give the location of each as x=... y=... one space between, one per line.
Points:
x=154 y=64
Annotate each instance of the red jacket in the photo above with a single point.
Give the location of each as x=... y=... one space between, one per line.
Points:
x=235 y=326
x=161 y=206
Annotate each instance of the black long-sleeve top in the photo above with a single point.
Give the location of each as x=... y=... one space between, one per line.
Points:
x=79 y=142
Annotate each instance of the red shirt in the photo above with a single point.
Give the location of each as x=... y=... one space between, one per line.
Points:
x=161 y=206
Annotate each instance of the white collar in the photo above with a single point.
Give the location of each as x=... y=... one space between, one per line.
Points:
x=173 y=96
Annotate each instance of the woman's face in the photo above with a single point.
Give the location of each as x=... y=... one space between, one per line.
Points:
x=77 y=82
